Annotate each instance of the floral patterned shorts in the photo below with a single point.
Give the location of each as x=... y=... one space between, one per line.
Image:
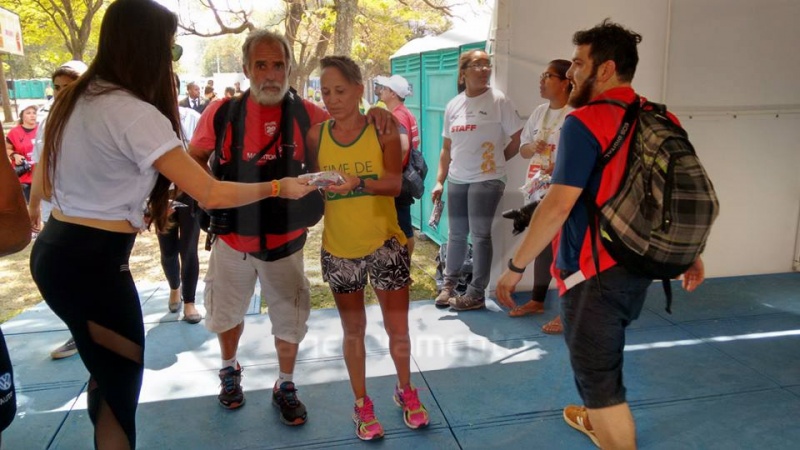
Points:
x=388 y=268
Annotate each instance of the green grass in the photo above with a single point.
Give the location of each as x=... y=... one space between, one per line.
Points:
x=18 y=291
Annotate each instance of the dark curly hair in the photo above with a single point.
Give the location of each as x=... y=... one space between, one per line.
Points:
x=611 y=41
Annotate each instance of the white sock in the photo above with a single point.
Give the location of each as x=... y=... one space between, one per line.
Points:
x=282 y=378
x=230 y=363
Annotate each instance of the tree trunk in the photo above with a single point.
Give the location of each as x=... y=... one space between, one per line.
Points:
x=345 y=22
x=6 y=100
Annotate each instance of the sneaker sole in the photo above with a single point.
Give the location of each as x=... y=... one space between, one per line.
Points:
x=234 y=405
x=441 y=305
x=581 y=429
x=366 y=438
x=468 y=308
x=409 y=425
x=62 y=355
x=296 y=422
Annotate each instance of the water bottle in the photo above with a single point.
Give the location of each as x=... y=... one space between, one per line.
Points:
x=436 y=214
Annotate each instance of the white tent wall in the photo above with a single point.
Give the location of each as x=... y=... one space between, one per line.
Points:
x=727 y=68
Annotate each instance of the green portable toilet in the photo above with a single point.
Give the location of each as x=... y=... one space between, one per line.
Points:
x=12 y=89
x=37 y=89
x=23 y=88
x=437 y=72
x=409 y=68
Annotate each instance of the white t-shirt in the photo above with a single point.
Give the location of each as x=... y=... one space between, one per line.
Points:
x=544 y=124
x=479 y=128
x=105 y=165
x=189 y=120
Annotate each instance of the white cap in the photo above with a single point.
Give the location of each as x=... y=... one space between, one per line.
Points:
x=77 y=66
x=396 y=83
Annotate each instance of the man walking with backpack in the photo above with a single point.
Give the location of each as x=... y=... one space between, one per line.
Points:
x=600 y=296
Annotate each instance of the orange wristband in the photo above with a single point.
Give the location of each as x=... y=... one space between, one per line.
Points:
x=276 y=188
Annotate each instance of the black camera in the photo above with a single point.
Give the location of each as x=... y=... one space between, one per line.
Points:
x=22 y=168
x=220 y=221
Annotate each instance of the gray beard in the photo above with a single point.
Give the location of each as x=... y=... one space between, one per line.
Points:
x=267 y=99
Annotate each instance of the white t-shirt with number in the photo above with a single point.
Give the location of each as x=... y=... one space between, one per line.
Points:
x=479 y=128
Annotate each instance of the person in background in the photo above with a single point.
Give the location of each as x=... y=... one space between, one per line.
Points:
x=38 y=209
x=539 y=143
x=357 y=247
x=193 y=99
x=230 y=92
x=178 y=244
x=237 y=88
x=209 y=94
x=112 y=148
x=481 y=132
x=595 y=314
x=19 y=148
x=392 y=91
x=15 y=236
x=48 y=92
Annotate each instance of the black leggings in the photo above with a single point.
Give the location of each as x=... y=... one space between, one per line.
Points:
x=83 y=275
x=541 y=274
x=181 y=240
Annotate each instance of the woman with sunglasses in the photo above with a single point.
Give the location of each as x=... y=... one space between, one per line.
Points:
x=481 y=132
x=539 y=143
x=112 y=144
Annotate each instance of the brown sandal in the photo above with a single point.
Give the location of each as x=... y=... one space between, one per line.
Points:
x=553 y=327
x=532 y=307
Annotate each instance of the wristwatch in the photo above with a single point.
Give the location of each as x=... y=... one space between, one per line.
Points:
x=514 y=268
x=361 y=185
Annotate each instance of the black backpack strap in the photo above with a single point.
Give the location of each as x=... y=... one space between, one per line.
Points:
x=231 y=112
x=589 y=200
x=628 y=122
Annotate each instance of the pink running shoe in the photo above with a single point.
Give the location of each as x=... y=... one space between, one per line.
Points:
x=367 y=425
x=414 y=413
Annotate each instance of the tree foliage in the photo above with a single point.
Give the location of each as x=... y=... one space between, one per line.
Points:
x=367 y=30
x=59 y=30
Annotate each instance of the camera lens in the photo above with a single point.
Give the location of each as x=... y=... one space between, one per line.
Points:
x=220 y=222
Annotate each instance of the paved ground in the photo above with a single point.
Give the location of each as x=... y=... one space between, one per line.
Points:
x=722 y=372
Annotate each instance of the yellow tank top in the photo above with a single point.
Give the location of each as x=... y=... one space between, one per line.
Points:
x=358 y=223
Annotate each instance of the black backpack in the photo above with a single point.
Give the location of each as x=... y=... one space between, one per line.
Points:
x=271 y=215
x=657 y=223
x=414 y=175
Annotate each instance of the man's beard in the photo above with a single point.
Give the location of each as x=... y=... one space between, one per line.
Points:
x=583 y=95
x=267 y=98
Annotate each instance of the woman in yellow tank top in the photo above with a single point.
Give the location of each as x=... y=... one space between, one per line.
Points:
x=362 y=239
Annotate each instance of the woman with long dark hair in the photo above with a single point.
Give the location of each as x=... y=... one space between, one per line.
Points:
x=113 y=142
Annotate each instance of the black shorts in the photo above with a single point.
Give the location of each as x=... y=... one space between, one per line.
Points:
x=594 y=329
x=404 y=219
